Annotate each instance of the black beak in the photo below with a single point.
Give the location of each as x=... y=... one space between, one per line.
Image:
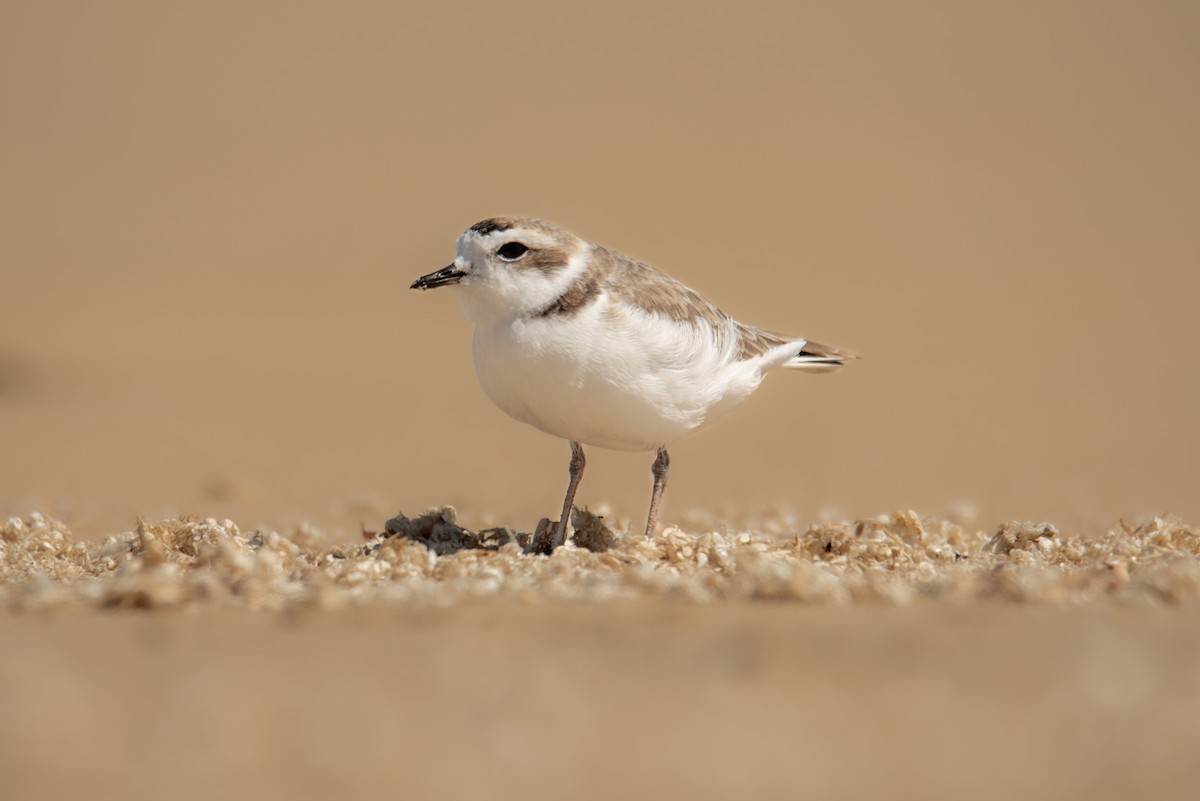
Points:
x=443 y=277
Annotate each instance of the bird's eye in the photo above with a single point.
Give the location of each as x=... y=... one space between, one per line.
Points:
x=511 y=251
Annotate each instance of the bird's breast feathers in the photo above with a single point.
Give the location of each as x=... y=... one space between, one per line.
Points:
x=611 y=375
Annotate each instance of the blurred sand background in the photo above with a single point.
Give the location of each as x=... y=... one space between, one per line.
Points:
x=209 y=217
x=211 y=214
x=743 y=701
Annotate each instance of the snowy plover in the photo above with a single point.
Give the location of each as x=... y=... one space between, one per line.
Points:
x=589 y=345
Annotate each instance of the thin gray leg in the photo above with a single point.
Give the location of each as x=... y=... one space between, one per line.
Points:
x=578 y=462
x=661 y=464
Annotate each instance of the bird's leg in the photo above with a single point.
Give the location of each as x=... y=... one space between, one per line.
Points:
x=576 y=469
x=659 y=469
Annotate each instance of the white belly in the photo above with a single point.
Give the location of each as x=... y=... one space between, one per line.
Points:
x=603 y=378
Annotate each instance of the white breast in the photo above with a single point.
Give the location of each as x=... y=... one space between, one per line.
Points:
x=610 y=376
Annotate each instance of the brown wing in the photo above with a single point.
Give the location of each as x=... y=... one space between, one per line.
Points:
x=641 y=286
x=811 y=356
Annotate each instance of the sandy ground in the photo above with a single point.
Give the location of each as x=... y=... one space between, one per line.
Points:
x=896 y=657
x=209 y=218
x=431 y=560
x=648 y=699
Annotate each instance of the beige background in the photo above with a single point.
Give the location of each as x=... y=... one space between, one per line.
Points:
x=210 y=214
x=760 y=701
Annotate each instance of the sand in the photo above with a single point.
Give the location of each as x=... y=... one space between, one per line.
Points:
x=899 y=656
x=430 y=560
x=894 y=655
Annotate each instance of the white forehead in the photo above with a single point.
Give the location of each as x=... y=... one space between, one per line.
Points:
x=492 y=233
x=533 y=237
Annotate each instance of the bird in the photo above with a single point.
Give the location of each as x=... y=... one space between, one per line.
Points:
x=590 y=345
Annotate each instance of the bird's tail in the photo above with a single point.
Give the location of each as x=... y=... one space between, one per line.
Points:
x=814 y=357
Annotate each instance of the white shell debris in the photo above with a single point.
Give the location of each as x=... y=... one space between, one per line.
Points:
x=890 y=559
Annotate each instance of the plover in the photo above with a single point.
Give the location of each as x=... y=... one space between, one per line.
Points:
x=590 y=345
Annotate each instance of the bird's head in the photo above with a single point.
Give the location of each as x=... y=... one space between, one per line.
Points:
x=510 y=266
